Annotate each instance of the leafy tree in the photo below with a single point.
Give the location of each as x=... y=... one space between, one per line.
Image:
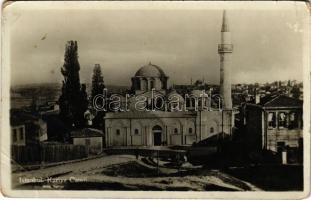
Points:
x=296 y=92
x=73 y=97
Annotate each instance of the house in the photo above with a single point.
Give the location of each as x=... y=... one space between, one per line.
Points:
x=27 y=128
x=18 y=134
x=274 y=124
x=93 y=138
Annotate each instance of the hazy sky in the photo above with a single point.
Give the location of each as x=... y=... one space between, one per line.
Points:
x=267 y=44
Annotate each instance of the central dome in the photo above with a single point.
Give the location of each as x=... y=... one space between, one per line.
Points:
x=150 y=70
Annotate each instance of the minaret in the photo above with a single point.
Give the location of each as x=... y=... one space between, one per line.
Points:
x=225 y=49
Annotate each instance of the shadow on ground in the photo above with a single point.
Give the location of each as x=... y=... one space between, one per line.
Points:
x=271 y=177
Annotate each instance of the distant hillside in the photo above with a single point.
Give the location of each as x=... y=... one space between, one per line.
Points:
x=117 y=88
x=48 y=89
x=23 y=95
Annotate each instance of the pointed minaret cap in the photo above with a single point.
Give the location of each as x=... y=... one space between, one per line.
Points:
x=225 y=25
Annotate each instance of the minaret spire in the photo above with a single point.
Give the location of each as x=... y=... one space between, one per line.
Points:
x=225 y=25
x=225 y=49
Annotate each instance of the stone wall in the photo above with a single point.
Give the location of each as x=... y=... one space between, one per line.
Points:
x=173 y=130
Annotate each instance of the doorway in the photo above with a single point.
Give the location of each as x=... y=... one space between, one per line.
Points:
x=157 y=135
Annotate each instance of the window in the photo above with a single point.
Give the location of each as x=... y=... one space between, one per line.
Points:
x=271 y=120
x=190 y=101
x=176 y=130
x=144 y=84
x=207 y=102
x=200 y=103
x=174 y=106
x=159 y=104
x=21 y=132
x=190 y=130
x=87 y=142
x=151 y=84
x=211 y=130
x=193 y=100
x=282 y=120
x=14 y=135
x=293 y=120
x=118 y=132
x=136 y=131
x=187 y=102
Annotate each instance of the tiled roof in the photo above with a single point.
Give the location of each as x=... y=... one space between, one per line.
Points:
x=150 y=70
x=280 y=101
x=267 y=98
x=87 y=132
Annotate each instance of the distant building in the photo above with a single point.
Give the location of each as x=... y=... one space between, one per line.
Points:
x=93 y=138
x=274 y=124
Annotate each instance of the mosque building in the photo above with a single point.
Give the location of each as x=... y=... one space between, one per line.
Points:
x=158 y=116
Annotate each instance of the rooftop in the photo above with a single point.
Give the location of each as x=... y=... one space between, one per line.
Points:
x=276 y=101
x=150 y=70
x=148 y=114
x=86 y=132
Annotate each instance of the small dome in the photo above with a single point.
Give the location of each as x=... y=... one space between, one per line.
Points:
x=150 y=70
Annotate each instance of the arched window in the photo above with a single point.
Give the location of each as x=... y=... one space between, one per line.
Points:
x=193 y=100
x=136 y=131
x=143 y=84
x=207 y=100
x=271 y=120
x=211 y=130
x=176 y=130
x=159 y=104
x=200 y=103
x=188 y=103
x=151 y=84
x=190 y=130
x=118 y=132
x=146 y=84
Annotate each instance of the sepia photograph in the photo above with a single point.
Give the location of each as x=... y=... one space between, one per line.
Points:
x=155 y=96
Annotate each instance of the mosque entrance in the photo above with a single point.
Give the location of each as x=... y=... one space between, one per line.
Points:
x=157 y=135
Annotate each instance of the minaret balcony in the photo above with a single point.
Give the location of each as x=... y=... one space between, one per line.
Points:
x=225 y=48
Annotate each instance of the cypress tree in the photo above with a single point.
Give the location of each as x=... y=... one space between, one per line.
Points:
x=97 y=81
x=97 y=89
x=72 y=97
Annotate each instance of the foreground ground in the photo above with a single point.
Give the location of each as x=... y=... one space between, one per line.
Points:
x=125 y=172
